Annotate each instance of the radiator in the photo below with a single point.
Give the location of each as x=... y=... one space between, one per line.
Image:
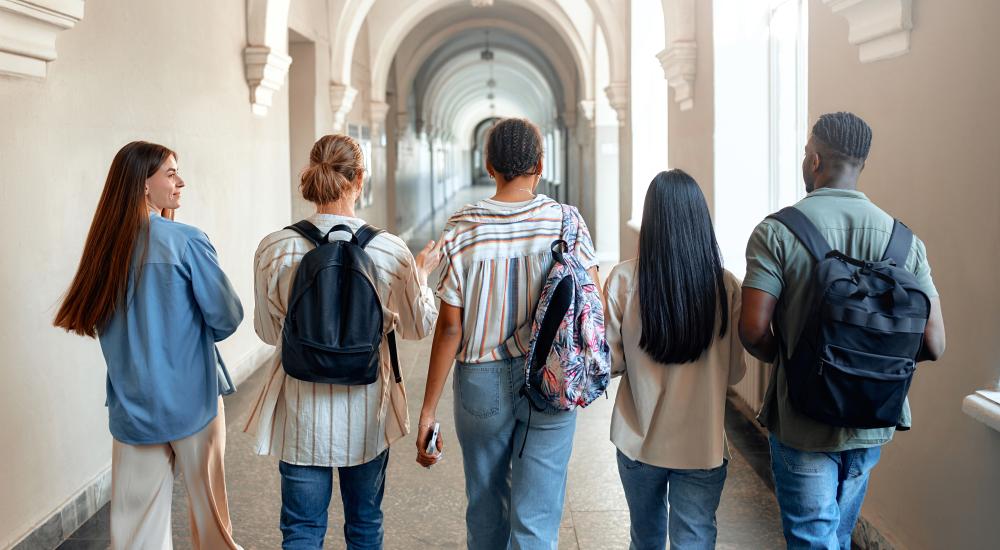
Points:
x=751 y=389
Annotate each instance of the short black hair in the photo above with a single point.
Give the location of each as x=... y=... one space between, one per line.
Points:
x=514 y=147
x=844 y=133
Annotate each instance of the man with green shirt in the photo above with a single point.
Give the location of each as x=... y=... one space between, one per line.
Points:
x=821 y=471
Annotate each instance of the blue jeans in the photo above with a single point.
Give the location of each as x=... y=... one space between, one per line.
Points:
x=514 y=502
x=305 y=500
x=692 y=495
x=820 y=494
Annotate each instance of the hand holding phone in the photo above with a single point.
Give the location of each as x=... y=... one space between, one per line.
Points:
x=431 y=448
x=429 y=444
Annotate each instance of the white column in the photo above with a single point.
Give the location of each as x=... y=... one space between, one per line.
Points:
x=618 y=97
x=383 y=204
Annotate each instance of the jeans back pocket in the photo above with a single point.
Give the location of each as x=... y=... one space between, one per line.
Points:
x=479 y=389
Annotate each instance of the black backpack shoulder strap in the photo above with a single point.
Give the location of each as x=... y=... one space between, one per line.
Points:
x=309 y=231
x=804 y=231
x=394 y=357
x=366 y=233
x=899 y=244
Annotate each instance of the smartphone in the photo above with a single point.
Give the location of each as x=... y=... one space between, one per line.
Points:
x=432 y=440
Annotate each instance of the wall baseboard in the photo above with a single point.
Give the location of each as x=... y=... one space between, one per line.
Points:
x=869 y=534
x=65 y=520
x=62 y=523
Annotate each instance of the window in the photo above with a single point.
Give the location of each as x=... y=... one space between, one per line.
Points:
x=362 y=134
x=760 y=115
x=788 y=87
x=649 y=101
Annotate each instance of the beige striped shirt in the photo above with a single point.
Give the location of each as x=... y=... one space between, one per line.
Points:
x=325 y=424
x=497 y=256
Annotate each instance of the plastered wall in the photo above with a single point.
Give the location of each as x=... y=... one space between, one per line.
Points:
x=934 y=164
x=128 y=70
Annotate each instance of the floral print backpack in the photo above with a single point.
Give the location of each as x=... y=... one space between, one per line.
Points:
x=569 y=360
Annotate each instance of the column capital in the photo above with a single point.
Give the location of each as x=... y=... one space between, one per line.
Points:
x=378 y=111
x=587 y=110
x=266 y=70
x=680 y=62
x=880 y=28
x=341 y=101
x=28 y=32
x=618 y=93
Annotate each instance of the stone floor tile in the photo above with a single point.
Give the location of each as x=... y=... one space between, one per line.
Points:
x=601 y=530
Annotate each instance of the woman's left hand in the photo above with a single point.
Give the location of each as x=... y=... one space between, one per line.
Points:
x=428 y=259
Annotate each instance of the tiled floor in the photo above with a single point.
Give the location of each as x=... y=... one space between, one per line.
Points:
x=424 y=508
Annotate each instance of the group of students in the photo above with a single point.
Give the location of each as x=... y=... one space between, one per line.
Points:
x=677 y=323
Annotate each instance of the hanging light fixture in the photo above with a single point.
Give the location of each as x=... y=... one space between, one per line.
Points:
x=487 y=55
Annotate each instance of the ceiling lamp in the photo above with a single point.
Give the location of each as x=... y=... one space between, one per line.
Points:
x=487 y=53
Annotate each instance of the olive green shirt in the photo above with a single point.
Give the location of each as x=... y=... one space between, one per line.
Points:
x=777 y=263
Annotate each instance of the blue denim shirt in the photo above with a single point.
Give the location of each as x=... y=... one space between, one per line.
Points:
x=164 y=372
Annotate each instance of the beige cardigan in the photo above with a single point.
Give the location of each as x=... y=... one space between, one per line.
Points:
x=671 y=416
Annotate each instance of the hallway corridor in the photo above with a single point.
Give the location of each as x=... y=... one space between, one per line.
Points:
x=728 y=91
x=425 y=508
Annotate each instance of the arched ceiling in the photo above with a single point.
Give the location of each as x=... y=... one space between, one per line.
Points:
x=415 y=78
x=390 y=24
x=455 y=97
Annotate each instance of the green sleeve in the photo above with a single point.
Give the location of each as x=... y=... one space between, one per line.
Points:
x=765 y=260
x=921 y=268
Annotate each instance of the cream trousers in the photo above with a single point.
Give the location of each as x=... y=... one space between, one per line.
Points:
x=142 y=479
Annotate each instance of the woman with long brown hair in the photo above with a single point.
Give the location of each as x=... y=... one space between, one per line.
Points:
x=152 y=291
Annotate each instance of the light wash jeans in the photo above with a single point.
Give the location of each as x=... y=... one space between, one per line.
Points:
x=692 y=495
x=514 y=502
x=820 y=494
x=305 y=501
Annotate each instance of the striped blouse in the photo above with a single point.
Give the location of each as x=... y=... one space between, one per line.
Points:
x=496 y=258
x=325 y=424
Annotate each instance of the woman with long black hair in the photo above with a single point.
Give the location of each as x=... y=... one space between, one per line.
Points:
x=671 y=324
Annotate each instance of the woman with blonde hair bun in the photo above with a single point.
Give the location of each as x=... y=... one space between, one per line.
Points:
x=314 y=424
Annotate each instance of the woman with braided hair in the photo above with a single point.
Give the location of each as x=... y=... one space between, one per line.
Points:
x=497 y=254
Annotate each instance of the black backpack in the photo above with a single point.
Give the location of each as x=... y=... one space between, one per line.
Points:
x=333 y=326
x=854 y=362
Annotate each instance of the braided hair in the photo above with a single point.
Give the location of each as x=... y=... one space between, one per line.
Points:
x=844 y=134
x=514 y=147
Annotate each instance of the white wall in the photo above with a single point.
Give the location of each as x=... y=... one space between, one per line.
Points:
x=167 y=72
